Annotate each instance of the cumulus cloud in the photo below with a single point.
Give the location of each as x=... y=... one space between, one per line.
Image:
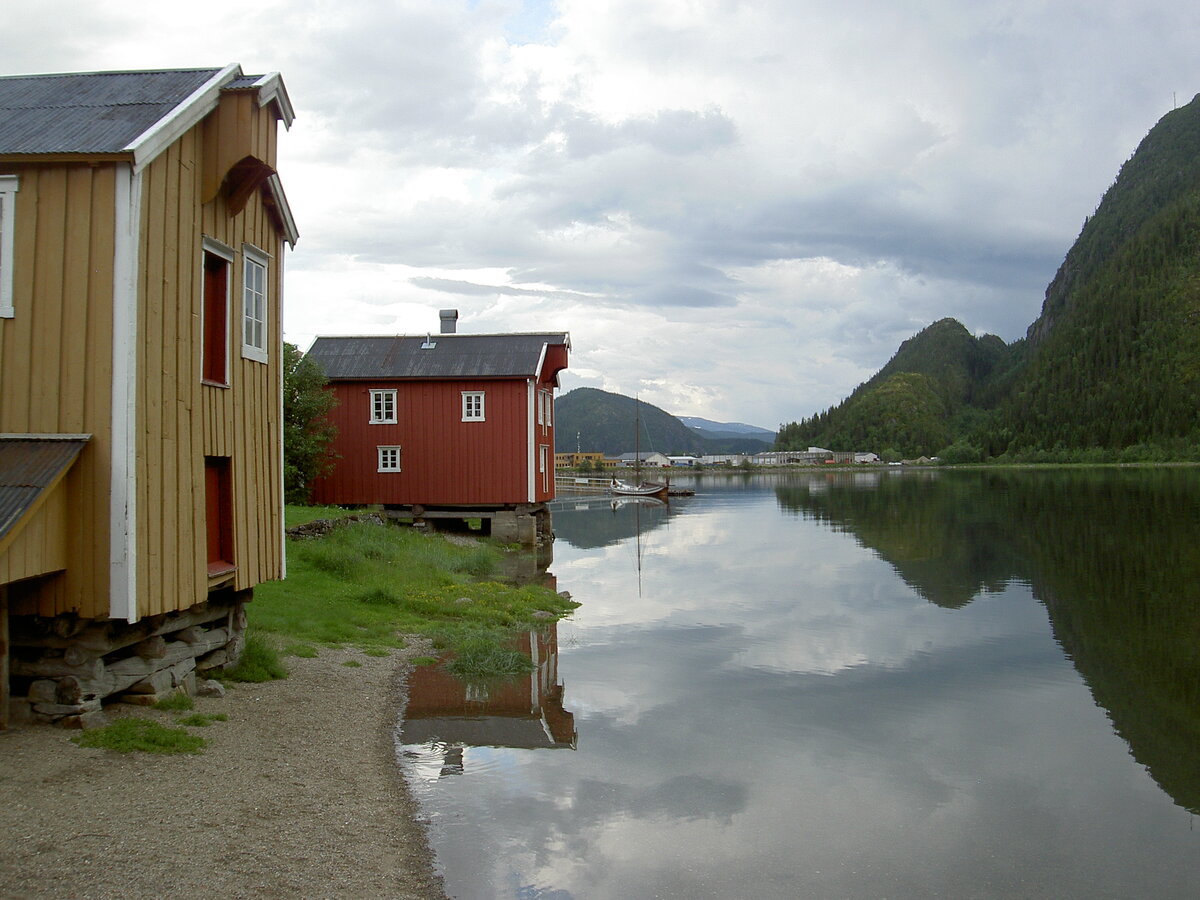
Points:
x=818 y=180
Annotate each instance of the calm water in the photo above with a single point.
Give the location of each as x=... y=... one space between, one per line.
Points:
x=843 y=685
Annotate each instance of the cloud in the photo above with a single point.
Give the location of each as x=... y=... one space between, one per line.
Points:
x=655 y=176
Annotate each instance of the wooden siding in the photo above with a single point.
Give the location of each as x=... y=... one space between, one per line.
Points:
x=181 y=420
x=41 y=546
x=56 y=356
x=56 y=364
x=445 y=461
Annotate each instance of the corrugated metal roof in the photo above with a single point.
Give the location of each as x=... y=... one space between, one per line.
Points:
x=450 y=356
x=29 y=464
x=95 y=112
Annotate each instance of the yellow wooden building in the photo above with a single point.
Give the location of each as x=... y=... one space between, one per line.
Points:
x=142 y=234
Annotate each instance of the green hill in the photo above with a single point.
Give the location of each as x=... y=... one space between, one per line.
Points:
x=1111 y=367
x=595 y=420
x=929 y=392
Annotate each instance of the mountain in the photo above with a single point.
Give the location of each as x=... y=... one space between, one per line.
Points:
x=929 y=391
x=728 y=431
x=739 y=428
x=1110 y=368
x=596 y=420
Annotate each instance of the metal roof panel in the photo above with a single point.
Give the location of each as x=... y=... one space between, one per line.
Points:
x=28 y=465
x=94 y=112
x=447 y=356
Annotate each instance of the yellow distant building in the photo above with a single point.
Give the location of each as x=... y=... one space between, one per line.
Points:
x=576 y=460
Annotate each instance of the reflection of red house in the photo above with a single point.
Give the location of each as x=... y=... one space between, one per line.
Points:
x=444 y=425
x=525 y=712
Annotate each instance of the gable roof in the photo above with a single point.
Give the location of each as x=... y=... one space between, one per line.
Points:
x=449 y=356
x=29 y=465
x=104 y=113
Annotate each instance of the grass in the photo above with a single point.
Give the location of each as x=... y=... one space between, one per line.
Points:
x=301 y=515
x=136 y=734
x=260 y=662
x=177 y=702
x=368 y=585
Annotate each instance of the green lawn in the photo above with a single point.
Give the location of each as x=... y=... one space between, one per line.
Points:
x=368 y=585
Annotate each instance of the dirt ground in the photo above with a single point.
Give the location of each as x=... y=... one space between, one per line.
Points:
x=297 y=795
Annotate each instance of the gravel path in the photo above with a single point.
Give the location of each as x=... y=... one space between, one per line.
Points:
x=297 y=795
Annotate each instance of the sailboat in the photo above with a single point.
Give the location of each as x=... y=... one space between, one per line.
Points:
x=639 y=488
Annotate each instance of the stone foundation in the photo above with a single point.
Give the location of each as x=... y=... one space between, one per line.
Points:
x=63 y=669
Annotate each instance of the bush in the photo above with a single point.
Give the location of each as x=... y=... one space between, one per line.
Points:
x=960 y=453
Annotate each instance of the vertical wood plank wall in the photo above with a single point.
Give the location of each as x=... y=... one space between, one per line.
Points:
x=41 y=546
x=181 y=420
x=56 y=365
x=444 y=460
x=56 y=357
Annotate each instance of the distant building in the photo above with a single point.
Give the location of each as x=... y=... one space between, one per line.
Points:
x=576 y=460
x=723 y=459
x=446 y=425
x=651 y=460
x=683 y=461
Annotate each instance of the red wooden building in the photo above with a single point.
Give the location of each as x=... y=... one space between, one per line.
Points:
x=445 y=425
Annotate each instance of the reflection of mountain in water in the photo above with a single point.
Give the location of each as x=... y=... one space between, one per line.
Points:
x=1113 y=555
x=589 y=523
x=448 y=713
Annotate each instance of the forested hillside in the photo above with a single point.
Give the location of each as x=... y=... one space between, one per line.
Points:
x=1111 y=367
x=932 y=390
x=595 y=420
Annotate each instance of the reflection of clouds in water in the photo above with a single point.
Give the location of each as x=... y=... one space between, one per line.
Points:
x=778 y=714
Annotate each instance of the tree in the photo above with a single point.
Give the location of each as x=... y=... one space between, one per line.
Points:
x=307 y=434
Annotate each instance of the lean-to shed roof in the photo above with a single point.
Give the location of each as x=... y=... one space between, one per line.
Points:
x=29 y=464
x=434 y=355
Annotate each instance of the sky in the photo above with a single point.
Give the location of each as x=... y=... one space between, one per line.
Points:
x=738 y=210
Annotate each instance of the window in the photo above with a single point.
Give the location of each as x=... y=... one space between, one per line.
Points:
x=383 y=408
x=8 y=198
x=545 y=400
x=215 y=336
x=549 y=407
x=389 y=459
x=472 y=406
x=254 y=304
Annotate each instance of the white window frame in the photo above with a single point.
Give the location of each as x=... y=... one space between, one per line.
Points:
x=473 y=409
x=388 y=458
x=9 y=185
x=256 y=347
x=549 y=408
x=382 y=400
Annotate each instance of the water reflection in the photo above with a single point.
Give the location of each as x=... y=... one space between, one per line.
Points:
x=1113 y=556
x=446 y=714
x=592 y=522
x=836 y=686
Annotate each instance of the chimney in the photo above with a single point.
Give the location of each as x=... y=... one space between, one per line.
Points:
x=449 y=319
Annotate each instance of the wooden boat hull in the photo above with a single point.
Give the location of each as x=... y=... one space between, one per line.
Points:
x=643 y=489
